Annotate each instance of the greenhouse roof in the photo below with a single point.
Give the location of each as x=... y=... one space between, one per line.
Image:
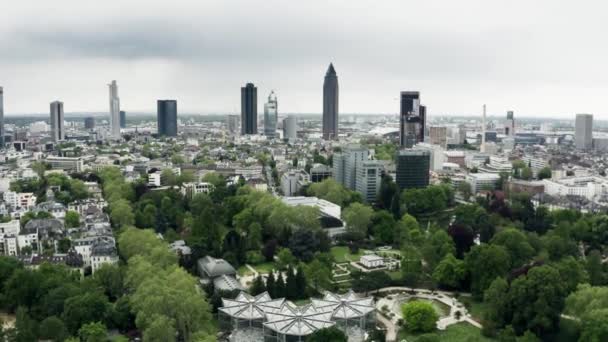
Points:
x=298 y=321
x=344 y=306
x=246 y=306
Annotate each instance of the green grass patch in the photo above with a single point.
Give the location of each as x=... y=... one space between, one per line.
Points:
x=475 y=308
x=264 y=268
x=459 y=332
x=342 y=254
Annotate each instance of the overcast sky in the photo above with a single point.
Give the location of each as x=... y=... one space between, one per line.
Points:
x=537 y=57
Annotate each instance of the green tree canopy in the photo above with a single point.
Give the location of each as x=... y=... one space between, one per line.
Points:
x=420 y=316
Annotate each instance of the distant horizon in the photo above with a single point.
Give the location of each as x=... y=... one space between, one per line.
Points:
x=98 y=114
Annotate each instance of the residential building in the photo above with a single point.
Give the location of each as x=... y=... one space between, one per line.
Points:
x=166 y=116
x=412 y=169
x=330 y=104
x=57 y=129
x=249 y=109
x=271 y=116
x=583 y=136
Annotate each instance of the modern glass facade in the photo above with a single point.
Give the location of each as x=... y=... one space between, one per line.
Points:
x=167 y=118
x=412 y=169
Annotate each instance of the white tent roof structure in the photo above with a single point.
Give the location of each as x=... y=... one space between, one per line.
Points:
x=248 y=307
x=298 y=321
x=344 y=306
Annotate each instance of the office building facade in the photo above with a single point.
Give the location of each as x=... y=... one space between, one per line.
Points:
x=57 y=129
x=583 y=135
x=330 y=104
x=123 y=119
x=166 y=116
x=271 y=116
x=412 y=169
x=412 y=119
x=114 y=110
x=89 y=123
x=290 y=128
x=347 y=163
x=249 y=109
x=368 y=180
x=510 y=124
x=438 y=135
x=232 y=124
x=2 y=133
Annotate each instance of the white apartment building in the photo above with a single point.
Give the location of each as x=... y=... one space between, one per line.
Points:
x=590 y=187
x=73 y=164
x=482 y=181
x=154 y=179
x=26 y=200
x=438 y=156
x=293 y=181
x=192 y=189
x=497 y=165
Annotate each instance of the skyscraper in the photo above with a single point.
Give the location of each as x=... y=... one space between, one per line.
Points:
x=583 y=135
x=510 y=124
x=347 y=164
x=412 y=119
x=249 y=109
x=89 y=123
x=271 y=116
x=57 y=130
x=290 y=128
x=123 y=119
x=330 y=104
x=369 y=179
x=412 y=168
x=114 y=110
x=166 y=117
x=232 y=123
x=1 y=117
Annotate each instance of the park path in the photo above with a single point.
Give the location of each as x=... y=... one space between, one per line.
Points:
x=444 y=297
x=391 y=328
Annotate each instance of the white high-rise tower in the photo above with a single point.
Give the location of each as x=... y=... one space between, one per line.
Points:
x=114 y=110
x=482 y=147
x=1 y=118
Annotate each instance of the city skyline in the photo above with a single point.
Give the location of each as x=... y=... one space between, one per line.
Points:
x=461 y=61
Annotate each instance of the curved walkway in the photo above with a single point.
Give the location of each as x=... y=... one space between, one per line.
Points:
x=441 y=296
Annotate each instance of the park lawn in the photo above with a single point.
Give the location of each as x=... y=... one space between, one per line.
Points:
x=263 y=268
x=342 y=254
x=441 y=309
x=459 y=332
x=475 y=308
x=244 y=271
